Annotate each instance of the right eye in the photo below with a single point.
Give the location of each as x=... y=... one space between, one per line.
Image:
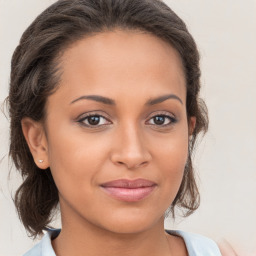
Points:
x=93 y=121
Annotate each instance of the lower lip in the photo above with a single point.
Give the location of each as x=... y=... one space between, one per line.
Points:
x=129 y=194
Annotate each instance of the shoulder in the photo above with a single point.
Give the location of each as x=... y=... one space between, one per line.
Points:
x=44 y=247
x=197 y=245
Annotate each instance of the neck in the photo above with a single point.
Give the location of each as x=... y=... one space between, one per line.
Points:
x=88 y=239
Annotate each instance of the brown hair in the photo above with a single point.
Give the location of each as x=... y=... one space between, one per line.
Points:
x=34 y=76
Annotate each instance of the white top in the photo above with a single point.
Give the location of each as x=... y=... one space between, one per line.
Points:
x=197 y=245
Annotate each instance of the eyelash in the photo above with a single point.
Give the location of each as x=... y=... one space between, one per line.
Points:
x=172 y=120
x=82 y=120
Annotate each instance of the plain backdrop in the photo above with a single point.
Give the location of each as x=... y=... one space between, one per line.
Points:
x=225 y=31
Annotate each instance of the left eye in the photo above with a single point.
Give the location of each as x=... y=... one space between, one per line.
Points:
x=161 y=120
x=93 y=120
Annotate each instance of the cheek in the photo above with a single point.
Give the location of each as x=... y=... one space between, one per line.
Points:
x=75 y=159
x=171 y=160
x=172 y=150
x=174 y=160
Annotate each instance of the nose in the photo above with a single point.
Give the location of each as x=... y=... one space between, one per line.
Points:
x=130 y=149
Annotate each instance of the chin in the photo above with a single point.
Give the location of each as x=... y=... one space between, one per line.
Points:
x=129 y=223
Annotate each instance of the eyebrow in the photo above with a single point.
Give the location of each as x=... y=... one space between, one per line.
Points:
x=97 y=98
x=109 y=101
x=163 y=98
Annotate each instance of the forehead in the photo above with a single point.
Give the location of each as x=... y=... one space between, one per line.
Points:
x=120 y=61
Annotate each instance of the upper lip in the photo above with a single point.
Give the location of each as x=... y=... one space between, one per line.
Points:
x=125 y=183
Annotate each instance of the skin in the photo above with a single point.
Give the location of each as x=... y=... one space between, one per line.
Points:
x=130 y=68
x=226 y=249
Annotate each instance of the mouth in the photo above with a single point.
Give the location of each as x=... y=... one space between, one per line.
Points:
x=129 y=190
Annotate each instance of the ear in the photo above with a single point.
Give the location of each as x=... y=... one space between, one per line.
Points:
x=35 y=136
x=191 y=125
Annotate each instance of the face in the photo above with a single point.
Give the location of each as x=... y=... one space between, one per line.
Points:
x=117 y=131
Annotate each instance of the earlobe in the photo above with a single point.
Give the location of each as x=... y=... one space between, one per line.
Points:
x=192 y=125
x=34 y=134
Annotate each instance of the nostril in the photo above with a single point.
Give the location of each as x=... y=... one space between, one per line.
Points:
x=137 y=165
x=132 y=166
x=144 y=163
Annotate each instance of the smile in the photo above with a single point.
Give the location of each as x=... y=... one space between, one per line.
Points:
x=129 y=190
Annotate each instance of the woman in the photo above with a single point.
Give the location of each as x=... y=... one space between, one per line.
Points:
x=105 y=111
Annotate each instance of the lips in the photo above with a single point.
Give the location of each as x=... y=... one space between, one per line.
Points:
x=129 y=190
